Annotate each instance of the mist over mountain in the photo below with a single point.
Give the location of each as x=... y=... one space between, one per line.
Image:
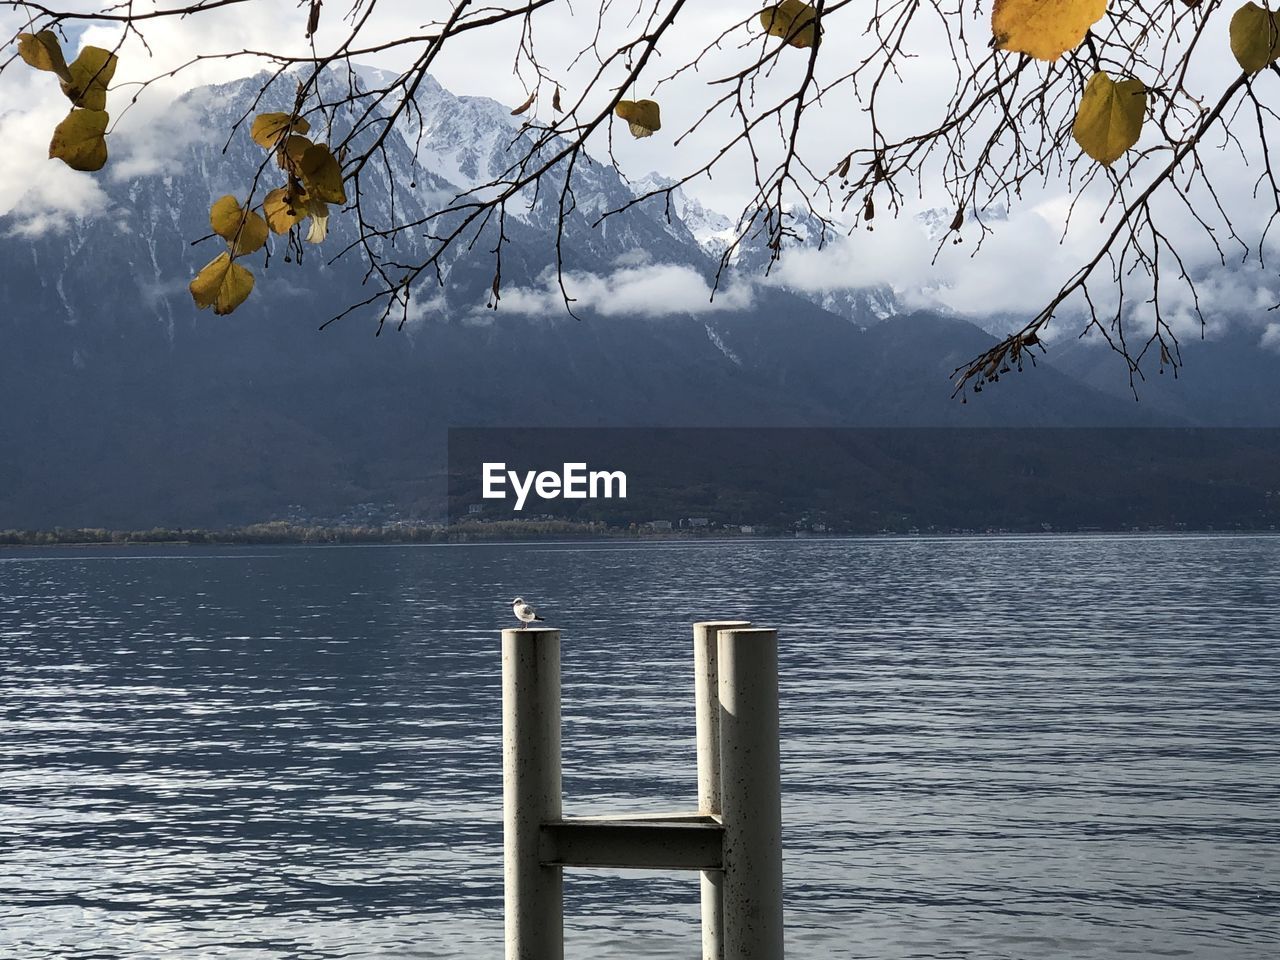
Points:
x=125 y=406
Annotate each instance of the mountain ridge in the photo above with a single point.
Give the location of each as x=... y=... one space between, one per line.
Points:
x=126 y=407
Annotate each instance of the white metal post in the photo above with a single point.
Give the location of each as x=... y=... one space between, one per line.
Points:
x=751 y=794
x=531 y=792
x=734 y=838
x=707 y=716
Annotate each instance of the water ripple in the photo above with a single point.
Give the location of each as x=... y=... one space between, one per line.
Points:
x=1055 y=748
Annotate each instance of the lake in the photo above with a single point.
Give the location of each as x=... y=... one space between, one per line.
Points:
x=1049 y=747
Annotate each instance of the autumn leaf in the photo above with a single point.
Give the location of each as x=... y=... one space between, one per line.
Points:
x=1045 y=29
x=1255 y=37
x=43 y=51
x=284 y=208
x=91 y=73
x=1109 y=120
x=322 y=175
x=793 y=21
x=222 y=284
x=526 y=105
x=313 y=19
x=643 y=116
x=289 y=154
x=268 y=127
x=80 y=141
x=243 y=229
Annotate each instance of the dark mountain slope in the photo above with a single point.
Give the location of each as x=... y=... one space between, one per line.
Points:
x=123 y=406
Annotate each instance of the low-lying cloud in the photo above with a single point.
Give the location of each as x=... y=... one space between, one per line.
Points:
x=645 y=289
x=1019 y=267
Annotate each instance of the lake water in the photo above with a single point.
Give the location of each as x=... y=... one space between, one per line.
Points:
x=1042 y=748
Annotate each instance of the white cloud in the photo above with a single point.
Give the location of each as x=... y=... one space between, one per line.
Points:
x=145 y=138
x=1271 y=337
x=423 y=308
x=1026 y=259
x=1020 y=266
x=151 y=138
x=1017 y=270
x=649 y=290
x=42 y=194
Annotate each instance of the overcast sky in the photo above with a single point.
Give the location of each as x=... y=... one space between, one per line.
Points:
x=1019 y=267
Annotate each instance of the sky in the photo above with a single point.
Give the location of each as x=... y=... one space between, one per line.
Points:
x=1016 y=270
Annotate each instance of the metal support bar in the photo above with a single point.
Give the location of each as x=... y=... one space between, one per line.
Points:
x=751 y=794
x=531 y=792
x=707 y=716
x=648 y=844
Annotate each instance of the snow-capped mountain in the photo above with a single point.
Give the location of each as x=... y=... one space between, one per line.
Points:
x=717 y=233
x=123 y=405
x=936 y=221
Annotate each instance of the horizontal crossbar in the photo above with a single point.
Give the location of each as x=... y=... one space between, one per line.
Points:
x=640 y=841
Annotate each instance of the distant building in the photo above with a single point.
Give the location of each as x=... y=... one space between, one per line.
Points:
x=747 y=528
x=475 y=508
x=659 y=524
x=698 y=522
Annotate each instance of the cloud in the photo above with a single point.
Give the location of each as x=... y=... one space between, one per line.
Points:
x=42 y=194
x=146 y=136
x=647 y=290
x=425 y=304
x=1027 y=257
x=1019 y=267
x=1271 y=337
x=1017 y=271
x=152 y=138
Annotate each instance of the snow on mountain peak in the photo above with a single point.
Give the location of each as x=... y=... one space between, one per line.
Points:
x=936 y=221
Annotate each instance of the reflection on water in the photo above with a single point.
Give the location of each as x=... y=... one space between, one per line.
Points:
x=1049 y=748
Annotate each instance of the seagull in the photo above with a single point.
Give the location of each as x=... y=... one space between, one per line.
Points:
x=524 y=612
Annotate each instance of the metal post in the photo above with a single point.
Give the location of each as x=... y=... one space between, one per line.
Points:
x=531 y=792
x=751 y=794
x=707 y=713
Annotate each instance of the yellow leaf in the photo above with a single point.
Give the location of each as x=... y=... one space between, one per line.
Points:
x=80 y=141
x=243 y=229
x=289 y=154
x=91 y=74
x=268 y=127
x=322 y=175
x=222 y=284
x=1255 y=37
x=643 y=116
x=793 y=21
x=253 y=235
x=284 y=208
x=43 y=51
x=1046 y=29
x=1110 y=117
x=318 y=211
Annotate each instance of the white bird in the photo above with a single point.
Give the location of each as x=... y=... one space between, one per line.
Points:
x=524 y=612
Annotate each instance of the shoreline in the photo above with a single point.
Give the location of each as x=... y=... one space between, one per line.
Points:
x=498 y=534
